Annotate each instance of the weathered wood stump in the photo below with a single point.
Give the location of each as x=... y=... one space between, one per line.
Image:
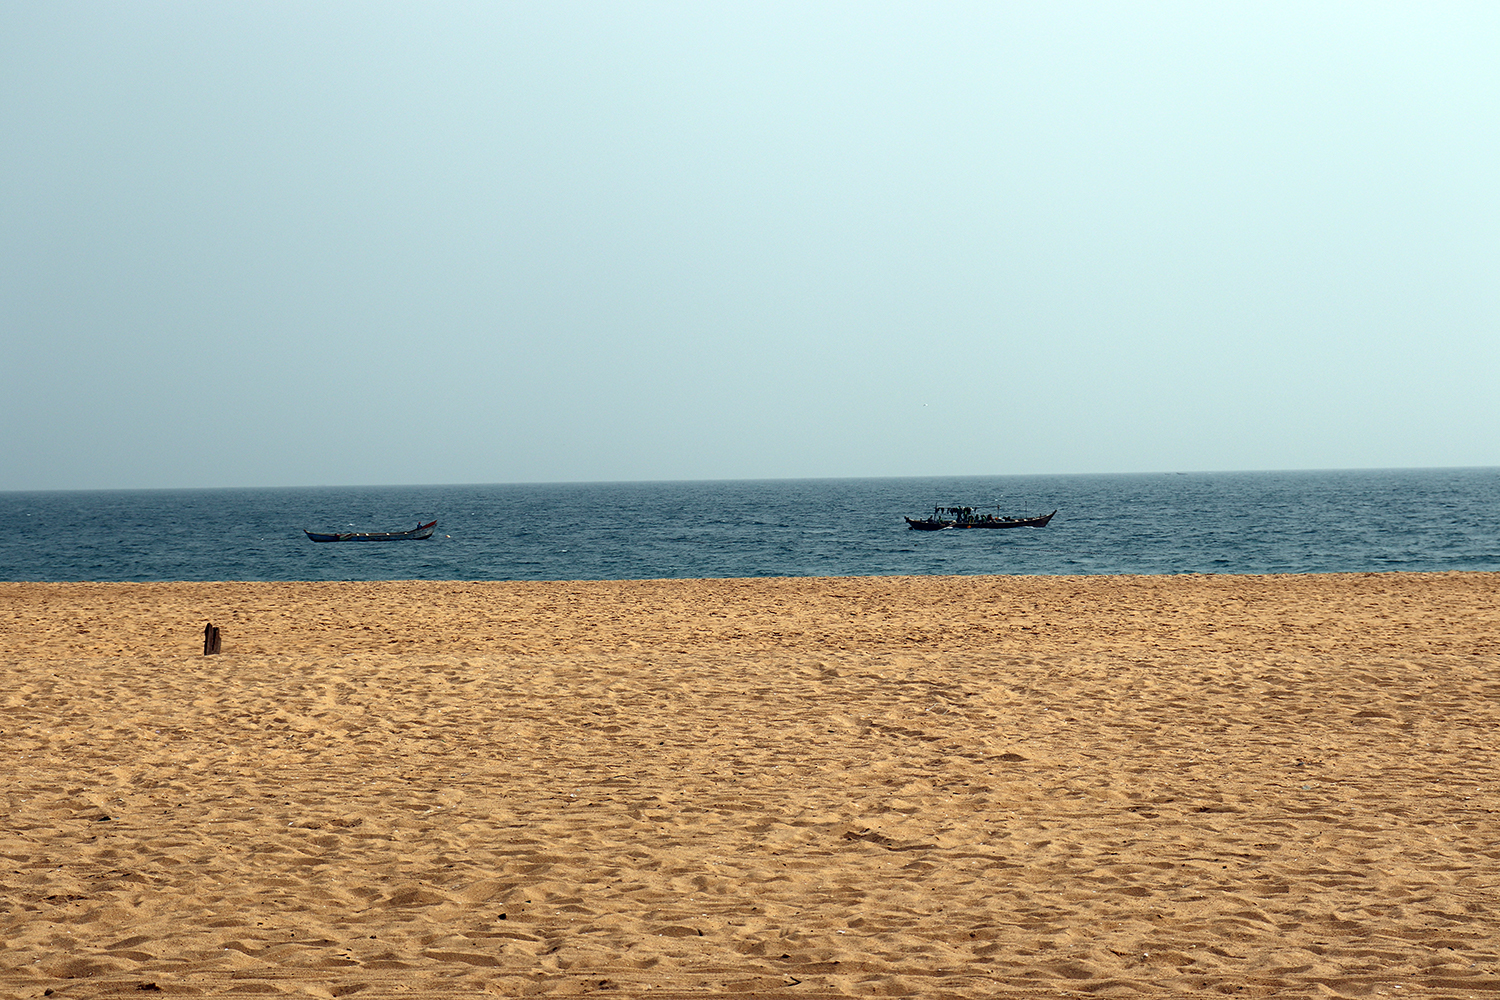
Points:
x=210 y=639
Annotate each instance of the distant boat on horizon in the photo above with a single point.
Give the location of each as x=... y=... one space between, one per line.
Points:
x=420 y=532
x=968 y=517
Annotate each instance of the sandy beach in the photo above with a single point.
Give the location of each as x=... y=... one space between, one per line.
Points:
x=789 y=788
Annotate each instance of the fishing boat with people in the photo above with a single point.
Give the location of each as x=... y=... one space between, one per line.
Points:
x=420 y=532
x=971 y=517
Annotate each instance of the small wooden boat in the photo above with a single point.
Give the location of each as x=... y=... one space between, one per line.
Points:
x=418 y=533
x=968 y=517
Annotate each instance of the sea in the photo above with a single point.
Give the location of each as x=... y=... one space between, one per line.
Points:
x=1423 y=520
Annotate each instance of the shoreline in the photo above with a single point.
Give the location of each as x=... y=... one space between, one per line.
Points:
x=770 y=787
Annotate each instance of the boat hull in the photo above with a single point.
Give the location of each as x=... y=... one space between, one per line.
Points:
x=935 y=524
x=420 y=533
x=1009 y=522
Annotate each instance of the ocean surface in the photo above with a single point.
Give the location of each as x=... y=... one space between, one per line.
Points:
x=1259 y=522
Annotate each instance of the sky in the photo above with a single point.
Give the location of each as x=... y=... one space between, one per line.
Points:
x=300 y=244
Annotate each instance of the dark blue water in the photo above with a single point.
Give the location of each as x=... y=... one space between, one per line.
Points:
x=1263 y=522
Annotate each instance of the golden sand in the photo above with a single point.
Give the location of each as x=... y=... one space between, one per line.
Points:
x=791 y=788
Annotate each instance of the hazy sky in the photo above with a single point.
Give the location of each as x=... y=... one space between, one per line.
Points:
x=266 y=244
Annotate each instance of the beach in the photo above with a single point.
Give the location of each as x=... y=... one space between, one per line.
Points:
x=792 y=788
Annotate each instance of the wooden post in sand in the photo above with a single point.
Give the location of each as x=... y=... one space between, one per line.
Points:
x=210 y=639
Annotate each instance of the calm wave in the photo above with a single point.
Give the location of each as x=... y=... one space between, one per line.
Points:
x=1286 y=522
